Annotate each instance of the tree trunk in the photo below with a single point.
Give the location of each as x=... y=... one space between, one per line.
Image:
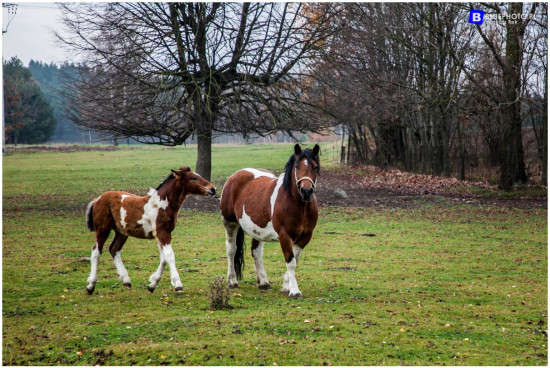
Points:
x=544 y=158
x=461 y=151
x=204 y=154
x=512 y=163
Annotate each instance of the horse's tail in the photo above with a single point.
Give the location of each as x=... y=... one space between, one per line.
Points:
x=90 y=216
x=238 y=260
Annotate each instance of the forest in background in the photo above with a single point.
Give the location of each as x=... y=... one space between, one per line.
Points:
x=414 y=86
x=34 y=106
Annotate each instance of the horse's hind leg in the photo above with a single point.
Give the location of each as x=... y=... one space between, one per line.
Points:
x=231 y=229
x=115 y=249
x=100 y=239
x=258 y=253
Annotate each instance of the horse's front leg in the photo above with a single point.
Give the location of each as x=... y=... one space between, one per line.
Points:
x=291 y=253
x=155 y=277
x=166 y=257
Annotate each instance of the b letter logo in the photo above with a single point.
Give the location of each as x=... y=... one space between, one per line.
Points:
x=476 y=16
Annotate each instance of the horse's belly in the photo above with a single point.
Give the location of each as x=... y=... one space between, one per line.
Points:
x=136 y=232
x=265 y=234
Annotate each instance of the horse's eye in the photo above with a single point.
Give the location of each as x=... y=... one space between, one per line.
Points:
x=194 y=178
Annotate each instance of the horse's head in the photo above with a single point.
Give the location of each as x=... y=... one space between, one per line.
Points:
x=193 y=183
x=306 y=168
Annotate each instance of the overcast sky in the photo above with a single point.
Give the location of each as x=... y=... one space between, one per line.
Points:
x=29 y=34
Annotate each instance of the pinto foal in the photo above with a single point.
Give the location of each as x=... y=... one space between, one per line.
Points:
x=269 y=209
x=148 y=217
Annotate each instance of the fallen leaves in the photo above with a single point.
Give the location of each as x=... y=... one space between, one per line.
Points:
x=410 y=183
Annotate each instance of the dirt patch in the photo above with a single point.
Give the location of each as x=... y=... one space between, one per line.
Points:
x=388 y=189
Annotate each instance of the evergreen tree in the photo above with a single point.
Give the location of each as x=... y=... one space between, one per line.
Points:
x=28 y=115
x=51 y=78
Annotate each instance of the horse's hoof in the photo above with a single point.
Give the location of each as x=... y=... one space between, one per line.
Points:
x=151 y=289
x=90 y=291
x=128 y=286
x=264 y=287
x=232 y=286
x=296 y=295
x=179 y=290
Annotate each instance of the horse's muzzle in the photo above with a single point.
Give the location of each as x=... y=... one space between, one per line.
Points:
x=306 y=194
x=212 y=192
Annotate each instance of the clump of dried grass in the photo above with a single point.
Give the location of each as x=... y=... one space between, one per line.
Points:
x=218 y=294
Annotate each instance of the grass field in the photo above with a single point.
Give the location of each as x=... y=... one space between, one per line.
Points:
x=433 y=286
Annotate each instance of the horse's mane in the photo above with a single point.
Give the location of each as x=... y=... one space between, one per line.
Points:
x=168 y=178
x=171 y=176
x=306 y=153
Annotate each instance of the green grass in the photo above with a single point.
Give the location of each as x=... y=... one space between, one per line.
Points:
x=450 y=286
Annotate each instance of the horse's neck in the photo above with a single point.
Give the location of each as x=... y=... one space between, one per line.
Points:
x=173 y=195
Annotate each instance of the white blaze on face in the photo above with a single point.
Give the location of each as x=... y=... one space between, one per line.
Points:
x=267 y=233
x=305 y=162
x=150 y=212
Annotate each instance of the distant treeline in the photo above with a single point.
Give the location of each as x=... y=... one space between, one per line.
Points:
x=51 y=79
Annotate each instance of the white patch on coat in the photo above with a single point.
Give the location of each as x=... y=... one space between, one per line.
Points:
x=124 y=196
x=259 y=173
x=276 y=192
x=305 y=162
x=254 y=231
x=150 y=212
x=122 y=217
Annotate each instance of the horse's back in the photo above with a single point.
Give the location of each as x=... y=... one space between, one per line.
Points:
x=250 y=188
x=125 y=210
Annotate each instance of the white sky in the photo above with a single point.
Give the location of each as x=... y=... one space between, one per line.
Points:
x=30 y=33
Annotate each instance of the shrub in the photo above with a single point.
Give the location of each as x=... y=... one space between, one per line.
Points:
x=219 y=294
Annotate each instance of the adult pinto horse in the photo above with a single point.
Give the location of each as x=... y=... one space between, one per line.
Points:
x=148 y=217
x=271 y=209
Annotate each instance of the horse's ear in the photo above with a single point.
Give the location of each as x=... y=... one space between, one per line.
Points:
x=316 y=150
x=297 y=149
x=175 y=173
x=186 y=169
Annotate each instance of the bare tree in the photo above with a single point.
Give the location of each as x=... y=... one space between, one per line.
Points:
x=162 y=72
x=418 y=86
x=391 y=80
x=504 y=40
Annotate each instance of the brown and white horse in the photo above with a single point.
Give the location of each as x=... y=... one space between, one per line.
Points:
x=148 y=217
x=269 y=209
